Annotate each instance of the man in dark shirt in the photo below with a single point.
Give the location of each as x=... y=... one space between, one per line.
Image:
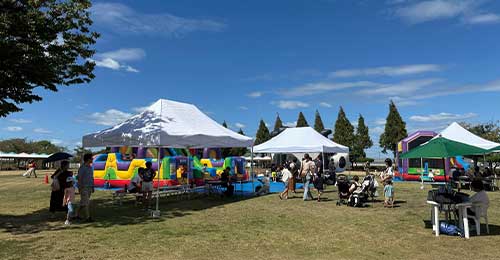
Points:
x=147 y=175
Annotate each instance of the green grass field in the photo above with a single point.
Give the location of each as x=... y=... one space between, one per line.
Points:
x=239 y=228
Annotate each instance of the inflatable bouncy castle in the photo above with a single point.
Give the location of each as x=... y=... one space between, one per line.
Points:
x=428 y=169
x=117 y=168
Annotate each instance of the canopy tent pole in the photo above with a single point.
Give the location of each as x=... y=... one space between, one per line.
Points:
x=422 y=172
x=251 y=170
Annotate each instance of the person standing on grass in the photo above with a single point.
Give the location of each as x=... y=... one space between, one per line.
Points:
x=147 y=176
x=86 y=187
x=286 y=177
x=318 y=184
x=58 y=185
x=69 y=200
x=389 y=194
x=388 y=173
x=294 y=169
x=307 y=172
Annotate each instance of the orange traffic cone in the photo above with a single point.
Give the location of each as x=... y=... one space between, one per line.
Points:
x=46 y=181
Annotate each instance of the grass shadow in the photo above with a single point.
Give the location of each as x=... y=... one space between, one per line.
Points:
x=108 y=214
x=494 y=229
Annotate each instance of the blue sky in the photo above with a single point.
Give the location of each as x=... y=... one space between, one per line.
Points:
x=241 y=61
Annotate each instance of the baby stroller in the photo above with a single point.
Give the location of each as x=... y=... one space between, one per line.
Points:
x=367 y=190
x=343 y=189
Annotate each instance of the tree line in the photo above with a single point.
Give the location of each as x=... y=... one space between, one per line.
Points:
x=356 y=138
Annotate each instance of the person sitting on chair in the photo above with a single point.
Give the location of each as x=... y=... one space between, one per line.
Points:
x=481 y=197
x=355 y=185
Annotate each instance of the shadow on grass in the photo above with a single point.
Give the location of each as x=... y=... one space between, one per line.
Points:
x=494 y=229
x=107 y=214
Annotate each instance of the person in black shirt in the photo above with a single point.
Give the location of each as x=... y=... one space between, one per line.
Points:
x=147 y=175
x=226 y=182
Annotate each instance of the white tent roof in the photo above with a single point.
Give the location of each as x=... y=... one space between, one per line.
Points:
x=457 y=133
x=24 y=155
x=300 y=140
x=168 y=123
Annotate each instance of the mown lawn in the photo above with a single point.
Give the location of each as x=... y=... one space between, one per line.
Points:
x=239 y=228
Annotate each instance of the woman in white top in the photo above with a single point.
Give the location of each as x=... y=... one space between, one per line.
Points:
x=388 y=173
x=286 y=176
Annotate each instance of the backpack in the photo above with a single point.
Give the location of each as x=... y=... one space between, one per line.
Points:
x=449 y=229
x=55 y=185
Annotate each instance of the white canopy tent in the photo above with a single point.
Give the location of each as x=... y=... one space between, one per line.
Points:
x=170 y=124
x=457 y=133
x=300 y=140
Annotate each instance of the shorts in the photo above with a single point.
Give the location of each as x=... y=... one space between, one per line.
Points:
x=147 y=186
x=70 y=208
x=85 y=194
x=286 y=183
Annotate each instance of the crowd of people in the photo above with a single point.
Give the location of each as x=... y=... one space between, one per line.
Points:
x=312 y=174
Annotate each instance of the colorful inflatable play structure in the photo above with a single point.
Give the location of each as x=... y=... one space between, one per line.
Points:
x=426 y=169
x=117 y=168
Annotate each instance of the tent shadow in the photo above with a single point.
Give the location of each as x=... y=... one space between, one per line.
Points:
x=107 y=214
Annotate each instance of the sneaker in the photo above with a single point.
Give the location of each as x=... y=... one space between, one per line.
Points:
x=67 y=223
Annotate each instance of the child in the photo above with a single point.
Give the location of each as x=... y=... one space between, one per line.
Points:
x=69 y=199
x=389 y=194
x=318 y=185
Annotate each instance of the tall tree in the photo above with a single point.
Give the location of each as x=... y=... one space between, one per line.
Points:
x=395 y=130
x=20 y=145
x=301 y=121
x=239 y=151
x=224 y=124
x=45 y=44
x=344 y=131
x=262 y=133
x=278 y=123
x=362 y=139
x=318 y=122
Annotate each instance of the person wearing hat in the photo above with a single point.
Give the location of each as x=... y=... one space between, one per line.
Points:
x=69 y=199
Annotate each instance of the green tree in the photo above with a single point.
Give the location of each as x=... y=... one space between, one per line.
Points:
x=239 y=151
x=79 y=152
x=224 y=124
x=21 y=145
x=301 y=121
x=362 y=139
x=278 y=123
x=343 y=130
x=45 y=44
x=318 y=122
x=395 y=130
x=262 y=133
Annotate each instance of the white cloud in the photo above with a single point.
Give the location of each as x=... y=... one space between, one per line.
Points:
x=82 y=106
x=323 y=87
x=13 y=128
x=289 y=104
x=114 y=59
x=124 y=54
x=377 y=130
x=380 y=121
x=255 y=94
x=120 y=18
x=239 y=125
x=387 y=71
x=468 y=11
x=325 y=104
x=483 y=19
x=404 y=88
x=442 y=117
x=42 y=131
x=425 y=11
x=290 y=124
x=56 y=141
x=20 y=121
x=243 y=108
x=109 y=117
